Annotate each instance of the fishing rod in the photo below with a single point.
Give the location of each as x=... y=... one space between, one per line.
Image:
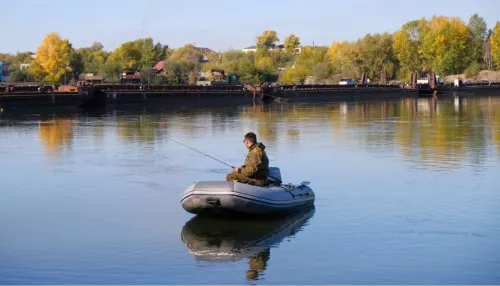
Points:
x=206 y=155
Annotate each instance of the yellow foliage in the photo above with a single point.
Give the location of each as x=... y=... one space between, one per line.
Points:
x=495 y=45
x=53 y=59
x=447 y=45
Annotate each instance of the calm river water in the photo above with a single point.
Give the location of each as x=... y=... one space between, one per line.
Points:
x=408 y=192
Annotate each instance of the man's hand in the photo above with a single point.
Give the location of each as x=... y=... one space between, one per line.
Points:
x=237 y=170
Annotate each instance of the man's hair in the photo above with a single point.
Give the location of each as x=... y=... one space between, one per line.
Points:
x=250 y=136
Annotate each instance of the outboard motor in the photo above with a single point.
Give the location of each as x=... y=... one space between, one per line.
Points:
x=274 y=176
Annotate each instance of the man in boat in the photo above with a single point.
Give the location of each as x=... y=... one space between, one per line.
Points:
x=256 y=168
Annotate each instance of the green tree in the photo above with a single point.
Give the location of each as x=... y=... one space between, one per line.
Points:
x=188 y=54
x=177 y=71
x=477 y=26
x=376 y=54
x=291 y=43
x=321 y=71
x=302 y=66
x=267 y=40
x=111 y=72
x=19 y=76
x=93 y=58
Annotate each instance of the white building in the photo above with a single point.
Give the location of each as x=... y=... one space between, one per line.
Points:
x=282 y=47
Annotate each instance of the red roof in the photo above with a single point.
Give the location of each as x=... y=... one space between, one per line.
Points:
x=158 y=66
x=204 y=51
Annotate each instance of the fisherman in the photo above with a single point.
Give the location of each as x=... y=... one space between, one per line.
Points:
x=256 y=168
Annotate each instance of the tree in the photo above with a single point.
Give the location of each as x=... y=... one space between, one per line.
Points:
x=111 y=71
x=495 y=44
x=93 y=58
x=22 y=58
x=291 y=43
x=303 y=64
x=177 y=72
x=127 y=55
x=321 y=71
x=188 y=54
x=376 y=54
x=7 y=58
x=477 y=27
x=447 y=45
x=19 y=76
x=407 y=47
x=139 y=54
x=53 y=59
x=345 y=59
x=487 y=60
x=267 y=40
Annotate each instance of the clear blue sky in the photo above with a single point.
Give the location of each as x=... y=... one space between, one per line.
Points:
x=219 y=25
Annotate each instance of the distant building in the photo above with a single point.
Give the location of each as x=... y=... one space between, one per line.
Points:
x=24 y=66
x=90 y=78
x=130 y=77
x=281 y=47
x=158 y=68
x=4 y=71
x=249 y=49
x=205 y=52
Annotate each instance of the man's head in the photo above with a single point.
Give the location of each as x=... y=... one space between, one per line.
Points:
x=250 y=139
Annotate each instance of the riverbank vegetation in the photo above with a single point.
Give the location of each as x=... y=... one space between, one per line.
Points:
x=444 y=45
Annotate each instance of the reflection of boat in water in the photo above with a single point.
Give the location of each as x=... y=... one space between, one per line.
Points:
x=231 y=239
x=217 y=239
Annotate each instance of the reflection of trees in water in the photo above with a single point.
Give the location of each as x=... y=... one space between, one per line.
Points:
x=495 y=126
x=435 y=130
x=56 y=134
x=142 y=129
x=444 y=131
x=267 y=120
x=434 y=136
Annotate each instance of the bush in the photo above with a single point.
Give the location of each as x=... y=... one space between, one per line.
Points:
x=473 y=70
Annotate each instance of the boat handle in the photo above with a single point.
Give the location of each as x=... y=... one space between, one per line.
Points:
x=213 y=201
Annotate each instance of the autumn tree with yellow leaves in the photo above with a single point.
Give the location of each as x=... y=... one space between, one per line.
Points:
x=495 y=45
x=448 y=45
x=54 y=59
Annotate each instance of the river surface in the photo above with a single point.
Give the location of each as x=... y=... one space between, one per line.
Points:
x=407 y=192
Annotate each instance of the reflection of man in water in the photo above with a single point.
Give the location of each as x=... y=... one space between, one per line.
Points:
x=258 y=263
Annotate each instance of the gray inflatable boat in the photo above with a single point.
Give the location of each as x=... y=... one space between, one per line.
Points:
x=215 y=197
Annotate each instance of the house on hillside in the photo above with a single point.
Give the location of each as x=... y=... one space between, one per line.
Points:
x=158 y=68
x=90 y=78
x=130 y=77
x=249 y=49
x=280 y=47
x=205 y=52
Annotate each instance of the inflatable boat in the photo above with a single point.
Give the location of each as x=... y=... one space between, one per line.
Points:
x=228 y=239
x=216 y=197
